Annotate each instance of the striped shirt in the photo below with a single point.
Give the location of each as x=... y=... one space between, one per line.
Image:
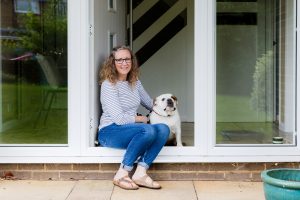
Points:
x=120 y=102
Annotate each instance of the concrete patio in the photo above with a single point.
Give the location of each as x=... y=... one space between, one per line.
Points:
x=105 y=190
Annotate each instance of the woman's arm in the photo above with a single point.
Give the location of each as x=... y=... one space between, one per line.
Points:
x=146 y=100
x=141 y=119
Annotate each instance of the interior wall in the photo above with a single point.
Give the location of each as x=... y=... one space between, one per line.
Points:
x=235 y=68
x=171 y=69
x=242 y=50
x=106 y=21
x=103 y=21
x=287 y=67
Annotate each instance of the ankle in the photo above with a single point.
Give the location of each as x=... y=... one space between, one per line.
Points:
x=121 y=173
x=139 y=172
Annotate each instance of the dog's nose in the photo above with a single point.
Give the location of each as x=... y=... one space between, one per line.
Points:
x=170 y=103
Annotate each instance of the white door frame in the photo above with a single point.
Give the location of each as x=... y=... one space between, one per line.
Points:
x=271 y=151
x=79 y=97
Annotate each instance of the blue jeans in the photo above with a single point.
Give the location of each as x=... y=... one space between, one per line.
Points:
x=142 y=141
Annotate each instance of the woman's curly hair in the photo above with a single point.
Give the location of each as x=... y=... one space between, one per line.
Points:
x=109 y=72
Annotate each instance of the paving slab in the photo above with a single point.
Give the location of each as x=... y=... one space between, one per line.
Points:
x=227 y=190
x=35 y=190
x=92 y=190
x=171 y=190
x=104 y=189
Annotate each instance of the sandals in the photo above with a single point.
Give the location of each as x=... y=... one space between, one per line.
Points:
x=128 y=184
x=125 y=183
x=146 y=181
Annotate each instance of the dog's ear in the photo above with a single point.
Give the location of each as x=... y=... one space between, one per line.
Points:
x=154 y=102
x=174 y=98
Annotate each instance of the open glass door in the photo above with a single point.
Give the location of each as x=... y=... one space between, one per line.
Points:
x=256 y=72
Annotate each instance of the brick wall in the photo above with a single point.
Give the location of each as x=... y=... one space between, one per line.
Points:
x=182 y=171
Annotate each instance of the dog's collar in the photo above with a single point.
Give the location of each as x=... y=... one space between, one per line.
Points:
x=160 y=114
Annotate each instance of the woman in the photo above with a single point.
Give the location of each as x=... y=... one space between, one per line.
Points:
x=120 y=127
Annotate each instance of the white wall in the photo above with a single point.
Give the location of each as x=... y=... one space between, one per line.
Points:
x=287 y=88
x=103 y=21
x=107 y=21
x=171 y=69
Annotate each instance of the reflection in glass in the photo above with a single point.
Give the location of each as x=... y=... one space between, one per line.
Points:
x=33 y=69
x=255 y=72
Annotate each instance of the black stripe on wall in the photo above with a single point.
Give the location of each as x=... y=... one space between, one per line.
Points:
x=236 y=1
x=236 y=18
x=135 y=3
x=161 y=38
x=150 y=17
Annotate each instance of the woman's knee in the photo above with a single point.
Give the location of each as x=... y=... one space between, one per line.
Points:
x=163 y=130
x=149 y=133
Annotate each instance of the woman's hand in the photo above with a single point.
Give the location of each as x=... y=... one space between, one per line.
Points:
x=141 y=119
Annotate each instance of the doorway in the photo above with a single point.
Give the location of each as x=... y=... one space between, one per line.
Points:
x=161 y=34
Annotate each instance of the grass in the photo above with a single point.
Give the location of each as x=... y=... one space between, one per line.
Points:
x=21 y=123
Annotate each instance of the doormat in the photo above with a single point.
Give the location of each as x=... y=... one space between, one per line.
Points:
x=233 y=134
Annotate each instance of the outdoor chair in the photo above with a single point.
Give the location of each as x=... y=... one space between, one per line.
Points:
x=55 y=86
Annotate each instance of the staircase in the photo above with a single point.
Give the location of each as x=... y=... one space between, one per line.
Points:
x=154 y=23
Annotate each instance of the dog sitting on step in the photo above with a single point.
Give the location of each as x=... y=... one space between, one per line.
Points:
x=165 y=111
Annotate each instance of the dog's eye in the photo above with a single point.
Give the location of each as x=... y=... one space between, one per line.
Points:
x=163 y=99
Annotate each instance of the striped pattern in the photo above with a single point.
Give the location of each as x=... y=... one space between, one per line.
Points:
x=120 y=102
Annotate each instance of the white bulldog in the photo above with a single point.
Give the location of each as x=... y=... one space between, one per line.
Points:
x=165 y=111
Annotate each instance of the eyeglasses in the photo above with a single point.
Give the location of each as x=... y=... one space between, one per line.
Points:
x=121 y=60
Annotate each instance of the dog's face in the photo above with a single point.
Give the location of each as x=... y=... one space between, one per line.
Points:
x=166 y=103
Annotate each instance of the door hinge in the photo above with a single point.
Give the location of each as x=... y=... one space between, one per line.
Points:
x=91 y=123
x=91 y=31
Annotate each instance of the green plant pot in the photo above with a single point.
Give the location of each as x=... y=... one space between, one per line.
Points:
x=281 y=184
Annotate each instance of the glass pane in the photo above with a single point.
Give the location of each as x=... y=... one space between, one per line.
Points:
x=33 y=69
x=25 y=6
x=255 y=72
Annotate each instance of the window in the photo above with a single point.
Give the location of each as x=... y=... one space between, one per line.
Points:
x=34 y=69
x=112 y=5
x=255 y=72
x=112 y=40
x=25 y=6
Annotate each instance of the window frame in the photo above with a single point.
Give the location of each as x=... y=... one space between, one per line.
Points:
x=264 y=151
x=81 y=94
x=50 y=153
